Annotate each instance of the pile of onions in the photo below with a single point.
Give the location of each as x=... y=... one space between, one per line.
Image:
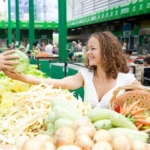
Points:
x=63 y=136
x=40 y=142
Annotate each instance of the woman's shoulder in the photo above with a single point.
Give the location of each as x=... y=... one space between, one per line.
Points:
x=86 y=71
x=126 y=78
x=87 y=74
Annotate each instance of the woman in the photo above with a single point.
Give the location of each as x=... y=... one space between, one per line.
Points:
x=105 y=70
x=6 y=60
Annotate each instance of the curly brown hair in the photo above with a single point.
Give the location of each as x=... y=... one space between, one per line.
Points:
x=113 y=60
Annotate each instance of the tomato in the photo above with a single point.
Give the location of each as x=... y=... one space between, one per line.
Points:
x=117 y=109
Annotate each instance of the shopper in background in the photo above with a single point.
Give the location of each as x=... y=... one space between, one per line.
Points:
x=74 y=49
x=127 y=54
x=42 y=47
x=55 y=49
x=124 y=46
x=129 y=60
x=105 y=71
x=49 y=48
x=145 y=75
x=6 y=60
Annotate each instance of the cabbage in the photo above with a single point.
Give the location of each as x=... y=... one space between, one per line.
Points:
x=23 y=65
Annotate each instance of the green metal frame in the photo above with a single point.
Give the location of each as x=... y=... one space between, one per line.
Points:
x=129 y=9
x=25 y=24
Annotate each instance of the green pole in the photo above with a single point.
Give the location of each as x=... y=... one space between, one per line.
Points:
x=31 y=24
x=9 y=24
x=62 y=30
x=17 y=25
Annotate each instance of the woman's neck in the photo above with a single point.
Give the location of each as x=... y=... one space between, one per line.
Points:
x=99 y=73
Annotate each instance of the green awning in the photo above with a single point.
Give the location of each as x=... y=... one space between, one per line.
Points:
x=25 y=25
x=129 y=9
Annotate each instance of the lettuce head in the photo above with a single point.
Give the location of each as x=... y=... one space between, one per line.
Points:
x=23 y=65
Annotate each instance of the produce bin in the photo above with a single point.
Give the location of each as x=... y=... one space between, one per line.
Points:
x=33 y=61
x=57 y=70
x=71 y=70
x=44 y=64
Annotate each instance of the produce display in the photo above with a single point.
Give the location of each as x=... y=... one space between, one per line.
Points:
x=56 y=120
x=41 y=117
x=9 y=86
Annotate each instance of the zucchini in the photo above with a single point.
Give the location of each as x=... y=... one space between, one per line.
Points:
x=132 y=134
x=119 y=120
x=103 y=124
x=99 y=114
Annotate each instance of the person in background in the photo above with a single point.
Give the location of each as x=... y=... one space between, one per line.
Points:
x=74 y=49
x=37 y=45
x=49 y=48
x=80 y=46
x=105 y=71
x=129 y=60
x=13 y=46
x=127 y=54
x=124 y=46
x=145 y=74
x=22 y=48
x=28 y=47
x=42 y=47
x=55 y=49
x=6 y=60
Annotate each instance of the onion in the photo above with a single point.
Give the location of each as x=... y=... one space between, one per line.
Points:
x=102 y=145
x=81 y=122
x=50 y=146
x=148 y=146
x=86 y=130
x=20 y=140
x=34 y=144
x=45 y=138
x=69 y=147
x=115 y=134
x=63 y=136
x=139 y=145
x=84 y=141
x=102 y=135
x=121 y=143
x=9 y=147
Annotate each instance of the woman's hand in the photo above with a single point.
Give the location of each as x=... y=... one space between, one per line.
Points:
x=6 y=60
x=13 y=74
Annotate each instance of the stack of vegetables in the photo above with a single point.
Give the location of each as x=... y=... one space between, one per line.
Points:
x=9 y=86
x=81 y=134
x=139 y=116
x=43 y=54
x=28 y=111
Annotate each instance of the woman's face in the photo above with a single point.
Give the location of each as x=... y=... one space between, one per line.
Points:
x=93 y=52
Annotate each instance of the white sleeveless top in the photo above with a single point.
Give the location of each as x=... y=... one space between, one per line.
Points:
x=90 y=94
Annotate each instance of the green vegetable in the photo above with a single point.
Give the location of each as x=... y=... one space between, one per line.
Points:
x=62 y=112
x=132 y=134
x=119 y=120
x=100 y=114
x=103 y=124
x=62 y=122
x=23 y=65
